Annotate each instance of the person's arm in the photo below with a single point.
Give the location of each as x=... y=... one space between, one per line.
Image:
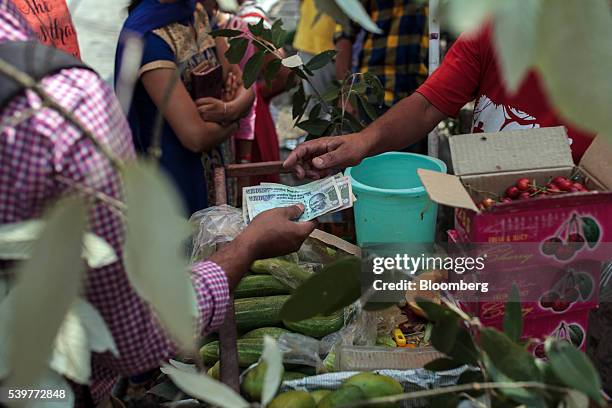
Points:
x=272 y=233
x=344 y=57
x=181 y=112
x=442 y=95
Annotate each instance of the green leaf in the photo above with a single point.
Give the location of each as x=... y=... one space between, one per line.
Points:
x=225 y=32
x=574 y=369
x=315 y=112
x=299 y=102
x=434 y=311
x=293 y=61
x=508 y=357
x=585 y=285
x=332 y=10
x=331 y=95
x=468 y=15
x=513 y=316
x=336 y=286
x=252 y=68
x=236 y=50
x=591 y=231
x=320 y=60
x=17 y=241
x=82 y=332
x=464 y=350
x=278 y=34
x=444 y=333
x=228 y=5
x=442 y=364
x=314 y=126
x=574 y=399
x=271 y=70
x=47 y=285
x=273 y=358
x=377 y=87
x=204 y=388
x=155 y=265
x=355 y=11
x=266 y=34
x=367 y=108
x=584 y=28
x=515 y=36
x=257 y=29
x=529 y=398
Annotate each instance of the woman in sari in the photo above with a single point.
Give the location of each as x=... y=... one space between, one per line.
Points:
x=194 y=134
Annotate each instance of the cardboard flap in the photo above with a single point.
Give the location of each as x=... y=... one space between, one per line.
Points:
x=597 y=160
x=339 y=243
x=515 y=150
x=446 y=189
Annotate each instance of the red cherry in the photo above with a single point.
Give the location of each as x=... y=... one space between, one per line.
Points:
x=524 y=195
x=552 y=188
x=573 y=189
x=522 y=184
x=564 y=185
x=564 y=252
x=559 y=179
x=578 y=185
x=560 y=305
x=550 y=246
x=576 y=240
x=512 y=192
x=507 y=200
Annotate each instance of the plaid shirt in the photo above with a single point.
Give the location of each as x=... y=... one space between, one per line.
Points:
x=399 y=55
x=36 y=151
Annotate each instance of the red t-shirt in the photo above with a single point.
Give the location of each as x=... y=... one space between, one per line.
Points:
x=470 y=72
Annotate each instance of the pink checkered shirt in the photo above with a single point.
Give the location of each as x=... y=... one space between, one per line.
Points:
x=36 y=151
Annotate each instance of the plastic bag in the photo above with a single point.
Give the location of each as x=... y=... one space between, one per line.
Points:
x=213 y=226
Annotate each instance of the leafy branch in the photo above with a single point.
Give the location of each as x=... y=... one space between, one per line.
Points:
x=329 y=114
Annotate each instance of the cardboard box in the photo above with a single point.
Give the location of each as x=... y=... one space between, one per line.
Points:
x=490 y=162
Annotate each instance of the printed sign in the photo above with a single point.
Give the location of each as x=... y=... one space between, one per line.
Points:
x=51 y=21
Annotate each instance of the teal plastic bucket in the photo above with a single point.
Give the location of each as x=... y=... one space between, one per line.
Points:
x=392 y=204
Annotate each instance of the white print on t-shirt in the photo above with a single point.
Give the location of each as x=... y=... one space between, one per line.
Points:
x=490 y=117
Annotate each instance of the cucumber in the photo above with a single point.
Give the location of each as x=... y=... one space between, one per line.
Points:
x=255 y=312
x=289 y=273
x=319 y=326
x=259 y=285
x=249 y=351
x=274 y=332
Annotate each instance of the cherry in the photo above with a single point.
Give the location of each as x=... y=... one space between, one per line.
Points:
x=550 y=246
x=524 y=195
x=539 y=351
x=576 y=241
x=507 y=200
x=571 y=295
x=560 y=305
x=522 y=184
x=547 y=299
x=552 y=188
x=564 y=185
x=512 y=192
x=573 y=189
x=579 y=186
x=559 y=179
x=564 y=252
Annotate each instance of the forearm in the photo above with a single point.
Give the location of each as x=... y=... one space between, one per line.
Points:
x=404 y=124
x=235 y=258
x=206 y=135
x=241 y=105
x=344 y=57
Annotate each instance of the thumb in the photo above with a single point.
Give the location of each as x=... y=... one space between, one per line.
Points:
x=293 y=211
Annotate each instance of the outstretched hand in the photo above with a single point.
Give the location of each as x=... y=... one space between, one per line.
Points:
x=317 y=158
